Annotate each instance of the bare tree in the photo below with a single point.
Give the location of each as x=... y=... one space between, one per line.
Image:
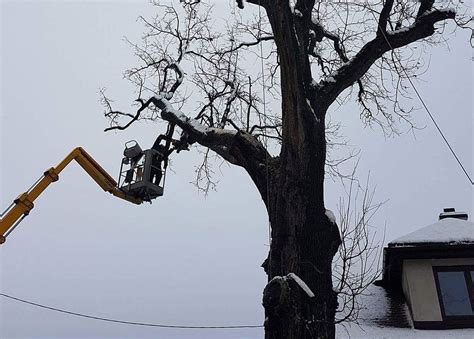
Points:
x=356 y=265
x=215 y=83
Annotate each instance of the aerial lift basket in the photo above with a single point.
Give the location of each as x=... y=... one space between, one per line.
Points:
x=136 y=171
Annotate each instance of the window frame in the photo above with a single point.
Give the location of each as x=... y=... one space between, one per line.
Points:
x=456 y=319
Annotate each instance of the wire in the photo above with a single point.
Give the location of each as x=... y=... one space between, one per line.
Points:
x=124 y=321
x=440 y=132
x=424 y=104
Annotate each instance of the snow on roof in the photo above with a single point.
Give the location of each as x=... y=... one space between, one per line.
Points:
x=379 y=308
x=384 y=316
x=353 y=331
x=446 y=231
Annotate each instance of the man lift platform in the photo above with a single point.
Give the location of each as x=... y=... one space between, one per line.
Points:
x=139 y=180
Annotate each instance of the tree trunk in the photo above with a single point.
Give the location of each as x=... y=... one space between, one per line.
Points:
x=304 y=240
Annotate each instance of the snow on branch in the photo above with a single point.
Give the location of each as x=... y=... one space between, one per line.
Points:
x=301 y=284
x=187 y=124
x=297 y=280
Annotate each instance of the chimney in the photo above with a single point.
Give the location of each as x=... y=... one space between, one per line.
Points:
x=451 y=213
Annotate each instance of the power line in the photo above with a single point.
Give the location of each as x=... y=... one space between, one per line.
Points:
x=125 y=321
x=440 y=131
x=424 y=104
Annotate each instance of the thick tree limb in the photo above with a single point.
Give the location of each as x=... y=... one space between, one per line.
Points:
x=355 y=68
x=238 y=147
x=217 y=139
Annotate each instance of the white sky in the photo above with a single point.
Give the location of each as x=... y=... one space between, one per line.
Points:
x=185 y=259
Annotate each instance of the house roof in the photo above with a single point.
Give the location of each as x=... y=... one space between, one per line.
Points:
x=449 y=231
x=427 y=243
x=383 y=309
x=385 y=315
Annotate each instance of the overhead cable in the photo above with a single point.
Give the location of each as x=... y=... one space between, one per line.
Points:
x=125 y=322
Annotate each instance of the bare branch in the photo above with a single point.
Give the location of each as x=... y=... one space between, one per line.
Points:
x=357 y=263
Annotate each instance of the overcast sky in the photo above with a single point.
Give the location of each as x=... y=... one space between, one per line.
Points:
x=185 y=259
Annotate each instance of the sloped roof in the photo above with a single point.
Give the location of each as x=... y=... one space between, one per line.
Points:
x=447 y=231
x=383 y=309
x=385 y=315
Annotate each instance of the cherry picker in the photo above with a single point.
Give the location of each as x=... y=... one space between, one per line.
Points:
x=140 y=178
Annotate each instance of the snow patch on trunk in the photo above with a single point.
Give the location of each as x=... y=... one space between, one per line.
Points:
x=331 y=216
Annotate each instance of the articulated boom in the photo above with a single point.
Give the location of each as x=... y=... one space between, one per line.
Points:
x=22 y=205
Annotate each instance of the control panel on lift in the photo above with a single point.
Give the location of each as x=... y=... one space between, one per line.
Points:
x=141 y=172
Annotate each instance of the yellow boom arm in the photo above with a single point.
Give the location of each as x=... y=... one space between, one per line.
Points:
x=22 y=205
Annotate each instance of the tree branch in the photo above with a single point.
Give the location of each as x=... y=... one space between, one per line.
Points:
x=248 y=44
x=320 y=32
x=384 y=16
x=263 y=3
x=355 y=68
x=237 y=147
x=425 y=5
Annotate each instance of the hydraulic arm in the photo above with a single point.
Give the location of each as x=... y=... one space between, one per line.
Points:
x=22 y=205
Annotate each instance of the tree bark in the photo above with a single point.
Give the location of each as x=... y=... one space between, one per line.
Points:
x=304 y=240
